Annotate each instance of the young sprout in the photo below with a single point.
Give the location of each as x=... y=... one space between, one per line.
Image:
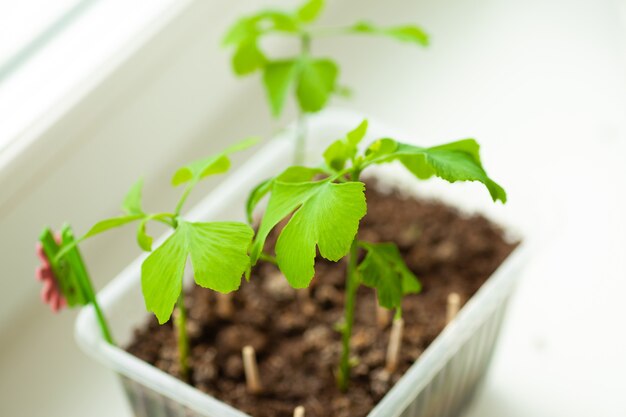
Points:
x=218 y=250
x=324 y=214
x=312 y=80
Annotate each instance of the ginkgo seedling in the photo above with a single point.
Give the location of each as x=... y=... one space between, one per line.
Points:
x=312 y=80
x=323 y=217
x=218 y=250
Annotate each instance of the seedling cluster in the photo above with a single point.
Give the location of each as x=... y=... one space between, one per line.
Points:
x=314 y=210
x=311 y=79
x=322 y=207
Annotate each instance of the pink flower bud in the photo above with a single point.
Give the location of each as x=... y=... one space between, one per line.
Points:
x=51 y=292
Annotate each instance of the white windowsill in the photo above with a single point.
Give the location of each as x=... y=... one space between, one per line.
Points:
x=60 y=74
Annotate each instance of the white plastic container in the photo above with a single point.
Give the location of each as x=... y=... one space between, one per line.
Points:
x=440 y=382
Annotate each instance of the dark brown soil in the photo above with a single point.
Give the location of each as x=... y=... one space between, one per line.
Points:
x=293 y=332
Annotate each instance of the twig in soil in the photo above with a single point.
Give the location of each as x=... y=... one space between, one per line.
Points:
x=224 y=305
x=298 y=411
x=395 y=341
x=454 y=304
x=251 y=369
x=383 y=315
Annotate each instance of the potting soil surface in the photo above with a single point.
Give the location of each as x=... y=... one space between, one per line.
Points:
x=294 y=332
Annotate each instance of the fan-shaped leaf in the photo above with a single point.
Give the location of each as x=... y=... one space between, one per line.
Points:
x=384 y=269
x=404 y=33
x=218 y=253
x=317 y=81
x=455 y=161
x=278 y=77
x=212 y=165
x=325 y=215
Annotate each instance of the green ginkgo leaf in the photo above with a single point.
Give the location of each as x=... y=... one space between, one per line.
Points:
x=219 y=257
x=455 y=161
x=325 y=216
x=404 y=33
x=132 y=201
x=343 y=150
x=107 y=224
x=268 y=21
x=248 y=57
x=384 y=269
x=241 y=31
x=212 y=165
x=278 y=78
x=310 y=10
x=143 y=239
x=291 y=174
x=249 y=28
x=316 y=83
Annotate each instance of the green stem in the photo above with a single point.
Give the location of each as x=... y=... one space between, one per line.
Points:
x=75 y=259
x=183 y=198
x=268 y=258
x=165 y=218
x=85 y=282
x=106 y=333
x=305 y=43
x=300 y=145
x=352 y=284
x=180 y=322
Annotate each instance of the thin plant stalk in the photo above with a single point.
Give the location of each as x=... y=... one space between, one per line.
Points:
x=301 y=131
x=104 y=328
x=352 y=285
x=85 y=283
x=300 y=139
x=180 y=322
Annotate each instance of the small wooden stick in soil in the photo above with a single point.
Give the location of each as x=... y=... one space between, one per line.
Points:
x=454 y=305
x=224 y=305
x=395 y=342
x=251 y=369
x=383 y=315
x=298 y=411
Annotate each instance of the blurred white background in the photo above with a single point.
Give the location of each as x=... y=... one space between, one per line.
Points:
x=137 y=89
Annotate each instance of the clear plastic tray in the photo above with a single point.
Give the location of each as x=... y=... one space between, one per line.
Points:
x=440 y=382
